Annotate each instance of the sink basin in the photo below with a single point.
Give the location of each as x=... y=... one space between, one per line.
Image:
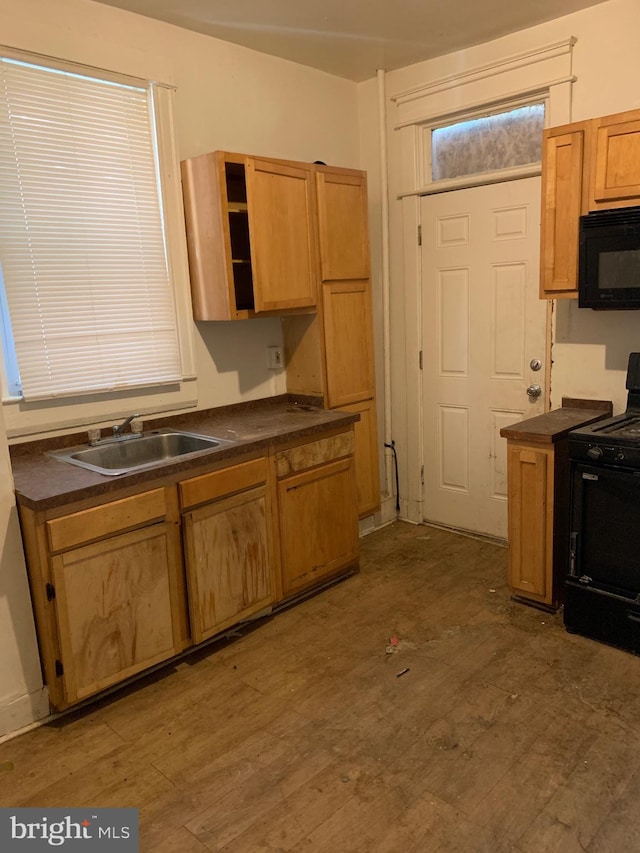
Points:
x=132 y=454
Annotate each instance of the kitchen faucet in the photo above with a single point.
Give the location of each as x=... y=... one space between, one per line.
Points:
x=118 y=429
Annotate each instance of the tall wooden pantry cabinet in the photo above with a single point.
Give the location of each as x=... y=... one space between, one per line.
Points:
x=331 y=352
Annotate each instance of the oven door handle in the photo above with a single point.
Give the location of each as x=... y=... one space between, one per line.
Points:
x=633 y=617
x=605 y=592
x=573 y=553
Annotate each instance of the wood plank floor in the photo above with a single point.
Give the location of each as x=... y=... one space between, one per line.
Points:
x=504 y=733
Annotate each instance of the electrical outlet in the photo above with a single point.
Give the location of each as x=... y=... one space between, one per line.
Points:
x=275 y=358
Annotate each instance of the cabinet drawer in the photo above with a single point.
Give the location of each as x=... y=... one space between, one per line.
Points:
x=101 y=521
x=226 y=481
x=314 y=453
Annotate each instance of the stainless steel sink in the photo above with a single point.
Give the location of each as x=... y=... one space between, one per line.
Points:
x=128 y=454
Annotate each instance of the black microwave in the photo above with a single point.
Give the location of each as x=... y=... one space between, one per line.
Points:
x=609 y=259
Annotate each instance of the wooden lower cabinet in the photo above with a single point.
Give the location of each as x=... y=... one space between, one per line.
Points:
x=539 y=497
x=229 y=569
x=114 y=608
x=123 y=585
x=318 y=519
x=366 y=457
x=108 y=591
x=531 y=483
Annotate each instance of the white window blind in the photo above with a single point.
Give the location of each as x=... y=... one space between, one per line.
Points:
x=82 y=242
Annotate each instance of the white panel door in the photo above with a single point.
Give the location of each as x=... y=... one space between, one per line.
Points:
x=483 y=323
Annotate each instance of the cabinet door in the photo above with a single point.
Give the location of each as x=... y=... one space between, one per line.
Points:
x=616 y=173
x=530 y=472
x=366 y=457
x=348 y=342
x=228 y=568
x=318 y=524
x=281 y=202
x=116 y=605
x=211 y=274
x=563 y=165
x=343 y=224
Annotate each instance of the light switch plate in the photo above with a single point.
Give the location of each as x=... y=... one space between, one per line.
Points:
x=275 y=358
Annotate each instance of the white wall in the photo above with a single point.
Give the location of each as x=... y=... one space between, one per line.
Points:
x=228 y=98
x=591 y=348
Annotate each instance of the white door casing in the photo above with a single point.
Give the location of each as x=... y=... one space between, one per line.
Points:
x=483 y=323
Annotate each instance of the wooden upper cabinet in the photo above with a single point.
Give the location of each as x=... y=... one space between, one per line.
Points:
x=616 y=164
x=589 y=165
x=342 y=223
x=564 y=180
x=348 y=329
x=281 y=207
x=251 y=236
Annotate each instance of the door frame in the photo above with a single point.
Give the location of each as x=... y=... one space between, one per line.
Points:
x=408 y=109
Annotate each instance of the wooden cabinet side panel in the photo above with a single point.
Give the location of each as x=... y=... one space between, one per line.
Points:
x=562 y=205
x=228 y=561
x=113 y=602
x=318 y=524
x=281 y=203
x=366 y=457
x=343 y=225
x=208 y=242
x=303 y=338
x=349 y=356
x=530 y=521
x=39 y=570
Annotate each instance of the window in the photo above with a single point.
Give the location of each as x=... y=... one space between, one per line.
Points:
x=488 y=143
x=89 y=304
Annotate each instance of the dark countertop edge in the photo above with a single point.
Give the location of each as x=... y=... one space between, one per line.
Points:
x=97 y=485
x=555 y=425
x=41 y=445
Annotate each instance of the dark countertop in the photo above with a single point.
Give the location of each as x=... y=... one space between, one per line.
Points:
x=555 y=425
x=42 y=482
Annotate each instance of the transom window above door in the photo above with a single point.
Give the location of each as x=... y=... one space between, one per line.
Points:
x=483 y=148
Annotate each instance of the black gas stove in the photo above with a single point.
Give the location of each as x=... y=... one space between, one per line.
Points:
x=602 y=589
x=614 y=441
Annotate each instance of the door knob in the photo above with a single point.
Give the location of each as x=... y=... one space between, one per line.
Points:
x=534 y=391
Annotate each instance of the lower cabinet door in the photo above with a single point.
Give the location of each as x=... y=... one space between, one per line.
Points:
x=530 y=473
x=229 y=572
x=117 y=607
x=318 y=524
x=366 y=456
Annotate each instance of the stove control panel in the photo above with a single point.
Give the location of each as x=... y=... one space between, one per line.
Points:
x=605 y=454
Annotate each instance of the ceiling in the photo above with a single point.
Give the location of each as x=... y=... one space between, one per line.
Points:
x=354 y=38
